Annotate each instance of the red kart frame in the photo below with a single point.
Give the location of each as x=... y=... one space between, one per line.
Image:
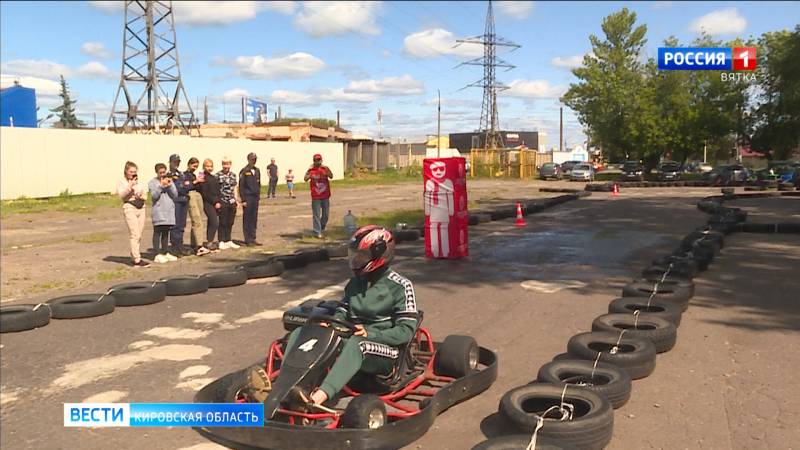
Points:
x=422 y=387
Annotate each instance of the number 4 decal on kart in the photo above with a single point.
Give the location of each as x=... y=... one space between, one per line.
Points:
x=308 y=345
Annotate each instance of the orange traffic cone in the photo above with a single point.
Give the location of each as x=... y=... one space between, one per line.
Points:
x=615 y=193
x=520 y=220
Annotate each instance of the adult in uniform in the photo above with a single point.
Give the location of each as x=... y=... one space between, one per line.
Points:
x=250 y=191
x=183 y=185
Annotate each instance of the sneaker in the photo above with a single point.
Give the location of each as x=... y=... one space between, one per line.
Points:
x=171 y=257
x=259 y=384
x=256 y=244
x=161 y=259
x=233 y=245
x=141 y=263
x=319 y=236
x=202 y=251
x=223 y=245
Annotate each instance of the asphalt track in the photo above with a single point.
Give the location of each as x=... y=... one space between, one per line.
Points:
x=523 y=292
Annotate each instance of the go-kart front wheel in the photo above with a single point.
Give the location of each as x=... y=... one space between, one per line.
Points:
x=365 y=411
x=457 y=356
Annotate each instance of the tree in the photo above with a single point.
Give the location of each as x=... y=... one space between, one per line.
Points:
x=612 y=97
x=66 y=111
x=775 y=119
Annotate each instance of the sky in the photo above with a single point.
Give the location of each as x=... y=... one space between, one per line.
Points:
x=314 y=58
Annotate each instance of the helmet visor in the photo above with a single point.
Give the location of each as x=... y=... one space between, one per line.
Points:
x=358 y=258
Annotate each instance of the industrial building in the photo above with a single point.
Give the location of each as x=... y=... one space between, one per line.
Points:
x=463 y=142
x=18 y=107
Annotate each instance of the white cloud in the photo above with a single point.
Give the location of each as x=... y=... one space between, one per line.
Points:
x=402 y=85
x=533 y=89
x=43 y=87
x=319 y=96
x=40 y=68
x=436 y=42
x=342 y=96
x=295 y=65
x=568 y=62
x=291 y=98
x=335 y=18
x=235 y=93
x=723 y=21
x=96 y=49
x=210 y=12
x=94 y=70
x=515 y=9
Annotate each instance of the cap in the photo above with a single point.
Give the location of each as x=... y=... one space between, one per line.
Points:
x=174 y=157
x=317 y=157
x=251 y=155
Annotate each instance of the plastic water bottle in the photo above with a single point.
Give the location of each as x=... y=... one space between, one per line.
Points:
x=349 y=223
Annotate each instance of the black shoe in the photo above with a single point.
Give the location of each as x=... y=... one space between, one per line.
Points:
x=256 y=244
x=187 y=251
x=141 y=263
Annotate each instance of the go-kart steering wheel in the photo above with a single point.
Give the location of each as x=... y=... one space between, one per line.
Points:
x=339 y=325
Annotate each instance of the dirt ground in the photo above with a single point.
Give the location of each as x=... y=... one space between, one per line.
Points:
x=51 y=254
x=728 y=384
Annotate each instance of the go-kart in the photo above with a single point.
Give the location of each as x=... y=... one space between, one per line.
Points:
x=374 y=411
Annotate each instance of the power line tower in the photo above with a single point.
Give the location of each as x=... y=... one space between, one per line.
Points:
x=490 y=62
x=155 y=100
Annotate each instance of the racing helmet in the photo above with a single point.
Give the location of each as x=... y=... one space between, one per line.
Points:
x=371 y=248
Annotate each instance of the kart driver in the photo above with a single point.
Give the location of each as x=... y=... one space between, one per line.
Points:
x=381 y=304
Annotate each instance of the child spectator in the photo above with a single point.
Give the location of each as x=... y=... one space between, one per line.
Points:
x=290 y=183
x=163 y=193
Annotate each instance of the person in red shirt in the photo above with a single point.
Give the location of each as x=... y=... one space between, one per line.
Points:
x=318 y=176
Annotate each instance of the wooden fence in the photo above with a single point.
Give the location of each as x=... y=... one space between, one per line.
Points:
x=509 y=163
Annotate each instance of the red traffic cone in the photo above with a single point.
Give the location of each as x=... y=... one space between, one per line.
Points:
x=615 y=193
x=520 y=220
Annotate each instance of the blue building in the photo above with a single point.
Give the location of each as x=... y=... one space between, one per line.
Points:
x=18 y=107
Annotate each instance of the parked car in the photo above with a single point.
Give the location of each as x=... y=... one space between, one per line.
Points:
x=727 y=174
x=582 y=172
x=669 y=171
x=566 y=166
x=698 y=167
x=550 y=170
x=632 y=171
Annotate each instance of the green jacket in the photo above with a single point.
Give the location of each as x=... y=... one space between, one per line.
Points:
x=387 y=308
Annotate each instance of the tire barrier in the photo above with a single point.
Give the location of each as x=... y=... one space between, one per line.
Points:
x=226 y=278
x=23 y=317
x=607 y=380
x=656 y=308
x=185 y=285
x=138 y=294
x=634 y=354
x=81 y=306
x=661 y=332
x=262 y=269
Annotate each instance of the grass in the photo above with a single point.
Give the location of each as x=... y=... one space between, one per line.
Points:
x=84 y=203
x=111 y=274
x=50 y=285
x=351 y=179
x=387 y=219
x=94 y=238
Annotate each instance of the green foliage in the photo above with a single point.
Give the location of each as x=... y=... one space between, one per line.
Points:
x=66 y=111
x=74 y=203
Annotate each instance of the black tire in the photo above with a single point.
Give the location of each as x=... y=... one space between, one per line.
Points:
x=787 y=227
x=716 y=237
x=658 y=308
x=518 y=442
x=80 y=306
x=657 y=270
x=291 y=262
x=456 y=357
x=138 y=294
x=472 y=220
x=185 y=285
x=661 y=332
x=609 y=381
x=665 y=291
x=226 y=278
x=366 y=411
x=313 y=255
x=685 y=264
x=590 y=428
x=23 y=317
x=262 y=269
x=636 y=355
x=502 y=213
x=483 y=217
x=405 y=235
x=337 y=251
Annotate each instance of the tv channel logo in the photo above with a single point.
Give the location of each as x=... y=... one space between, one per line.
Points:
x=712 y=58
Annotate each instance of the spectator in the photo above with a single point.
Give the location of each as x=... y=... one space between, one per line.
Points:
x=133 y=195
x=229 y=200
x=183 y=185
x=250 y=191
x=272 y=170
x=196 y=207
x=318 y=176
x=211 y=203
x=290 y=183
x=163 y=194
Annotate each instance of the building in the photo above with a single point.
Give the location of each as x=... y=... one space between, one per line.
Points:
x=578 y=153
x=463 y=142
x=291 y=132
x=18 y=107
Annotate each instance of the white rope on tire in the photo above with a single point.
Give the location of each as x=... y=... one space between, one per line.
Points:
x=657 y=283
x=566 y=409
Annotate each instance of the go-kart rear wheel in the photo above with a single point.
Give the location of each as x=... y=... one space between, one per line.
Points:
x=365 y=411
x=457 y=356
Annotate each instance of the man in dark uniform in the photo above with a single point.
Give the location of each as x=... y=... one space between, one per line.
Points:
x=181 y=207
x=250 y=191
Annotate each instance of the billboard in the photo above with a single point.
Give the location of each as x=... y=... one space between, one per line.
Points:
x=254 y=110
